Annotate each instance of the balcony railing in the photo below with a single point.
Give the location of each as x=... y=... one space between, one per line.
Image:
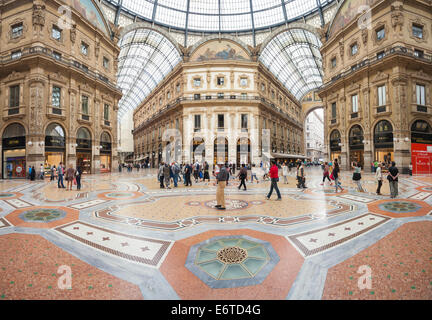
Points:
x=216 y=97
x=389 y=51
x=28 y=52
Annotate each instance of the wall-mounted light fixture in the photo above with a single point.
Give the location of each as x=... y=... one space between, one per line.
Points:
x=30 y=143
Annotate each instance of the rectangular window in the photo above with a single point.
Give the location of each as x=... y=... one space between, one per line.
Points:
x=243 y=82
x=333 y=110
x=220 y=95
x=380 y=33
x=354 y=49
x=420 y=94
x=16 y=54
x=333 y=62
x=84 y=105
x=381 y=96
x=14 y=95
x=105 y=62
x=417 y=31
x=221 y=121
x=197 y=122
x=244 y=96
x=56 y=33
x=178 y=87
x=177 y=124
x=56 y=97
x=244 y=121
x=354 y=103
x=220 y=81
x=197 y=96
x=84 y=48
x=17 y=30
x=262 y=87
x=197 y=82
x=106 y=111
x=169 y=95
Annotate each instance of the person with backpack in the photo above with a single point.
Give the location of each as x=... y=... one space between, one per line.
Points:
x=392 y=177
x=326 y=173
x=357 y=176
x=221 y=180
x=242 y=175
x=301 y=176
x=335 y=174
x=60 y=175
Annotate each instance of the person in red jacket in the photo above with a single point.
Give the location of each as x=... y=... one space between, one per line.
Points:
x=274 y=176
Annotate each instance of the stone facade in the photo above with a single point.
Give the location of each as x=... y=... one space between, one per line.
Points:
x=195 y=96
x=378 y=80
x=54 y=58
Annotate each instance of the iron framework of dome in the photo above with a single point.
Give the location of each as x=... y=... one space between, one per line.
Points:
x=219 y=15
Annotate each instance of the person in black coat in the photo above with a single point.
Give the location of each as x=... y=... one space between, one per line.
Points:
x=33 y=174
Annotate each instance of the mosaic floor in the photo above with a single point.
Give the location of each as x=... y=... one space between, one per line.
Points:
x=122 y=237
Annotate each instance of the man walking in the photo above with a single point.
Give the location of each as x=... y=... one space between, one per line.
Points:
x=274 y=177
x=167 y=175
x=221 y=179
x=176 y=171
x=161 y=175
x=301 y=176
x=393 y=180
x=60 y=176
x=379 y=177
x=243 y=176
x=188 y=171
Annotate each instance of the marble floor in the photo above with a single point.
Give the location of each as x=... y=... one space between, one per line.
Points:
x=122 y=237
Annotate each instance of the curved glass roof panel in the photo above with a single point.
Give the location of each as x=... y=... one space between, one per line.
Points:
x=220 y=15
x=146 y=57
x=293 y=57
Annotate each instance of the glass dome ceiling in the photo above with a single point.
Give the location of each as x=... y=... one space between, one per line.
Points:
x=219 y=15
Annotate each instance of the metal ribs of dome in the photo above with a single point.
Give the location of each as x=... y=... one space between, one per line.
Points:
x=221 y=16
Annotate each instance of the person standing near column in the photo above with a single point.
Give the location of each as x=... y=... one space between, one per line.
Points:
x=285 y=172
x=379 y=177
x=274 y=177
x=335 y=173
x=78 y=174
x=221 y=179
x=392 y=177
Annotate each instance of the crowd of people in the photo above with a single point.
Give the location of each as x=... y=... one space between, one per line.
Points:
x=71 y=175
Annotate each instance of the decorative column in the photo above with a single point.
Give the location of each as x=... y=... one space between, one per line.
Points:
x=71 y=138
x=232 y=144
x=402 y=148
x=344 y=135
x=96 y=138
x=37 y=111
x=368 y=135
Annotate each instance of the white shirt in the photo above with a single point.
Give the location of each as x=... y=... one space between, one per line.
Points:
x=378 y=174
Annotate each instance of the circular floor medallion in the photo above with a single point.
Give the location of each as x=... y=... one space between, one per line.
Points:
x=400 y=206
x=230 y=204
x=42 y=215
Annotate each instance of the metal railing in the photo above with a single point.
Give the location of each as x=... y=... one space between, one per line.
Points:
x=389 y=51
x=216 y=97
x=37 y=50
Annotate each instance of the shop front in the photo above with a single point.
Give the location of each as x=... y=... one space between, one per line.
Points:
x=198 y=150
x=105 y=153
x=335 y=145
x=220 y=150
x=55 y=146
x=421 y=147
x=244 y=152
x=14 y=152
x=84 y=150
x=383 y=142
x=356 y=146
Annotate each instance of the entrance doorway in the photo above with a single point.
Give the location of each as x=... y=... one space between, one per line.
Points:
x=14 y=152
x=383 y=142
x=84 y=150
x=356 y=146
x=220 y=150
x=243 y=152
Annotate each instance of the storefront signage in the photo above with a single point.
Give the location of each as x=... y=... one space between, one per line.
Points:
x=51 y=141
x=418 y=137
x=13 y=142
x=383 y=140
x=421 y=158
x=84 y=144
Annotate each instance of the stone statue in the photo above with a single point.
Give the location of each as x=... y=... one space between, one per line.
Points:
x=38 y=14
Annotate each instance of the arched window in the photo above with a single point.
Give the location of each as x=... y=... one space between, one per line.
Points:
x=55 y=136
x=14 y=130
x=421 y=132
x=383 y=135
x=356 y=137
x=105 y=142
x=335 y=140
x=84 y=139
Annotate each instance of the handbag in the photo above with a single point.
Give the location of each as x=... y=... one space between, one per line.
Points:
x=331 y=176
x=74 y=182
x=356 y=176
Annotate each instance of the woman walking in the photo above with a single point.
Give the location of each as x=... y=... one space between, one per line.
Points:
x=206 y=171
x=326 y=174
x=335 y=174
x=357 y=176
x=70 y=175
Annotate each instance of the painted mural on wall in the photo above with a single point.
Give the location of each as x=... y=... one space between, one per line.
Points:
x=89 y=11
x=219 y=50
x=347 y=12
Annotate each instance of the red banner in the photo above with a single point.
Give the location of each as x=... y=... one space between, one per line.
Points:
x=421 y=158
